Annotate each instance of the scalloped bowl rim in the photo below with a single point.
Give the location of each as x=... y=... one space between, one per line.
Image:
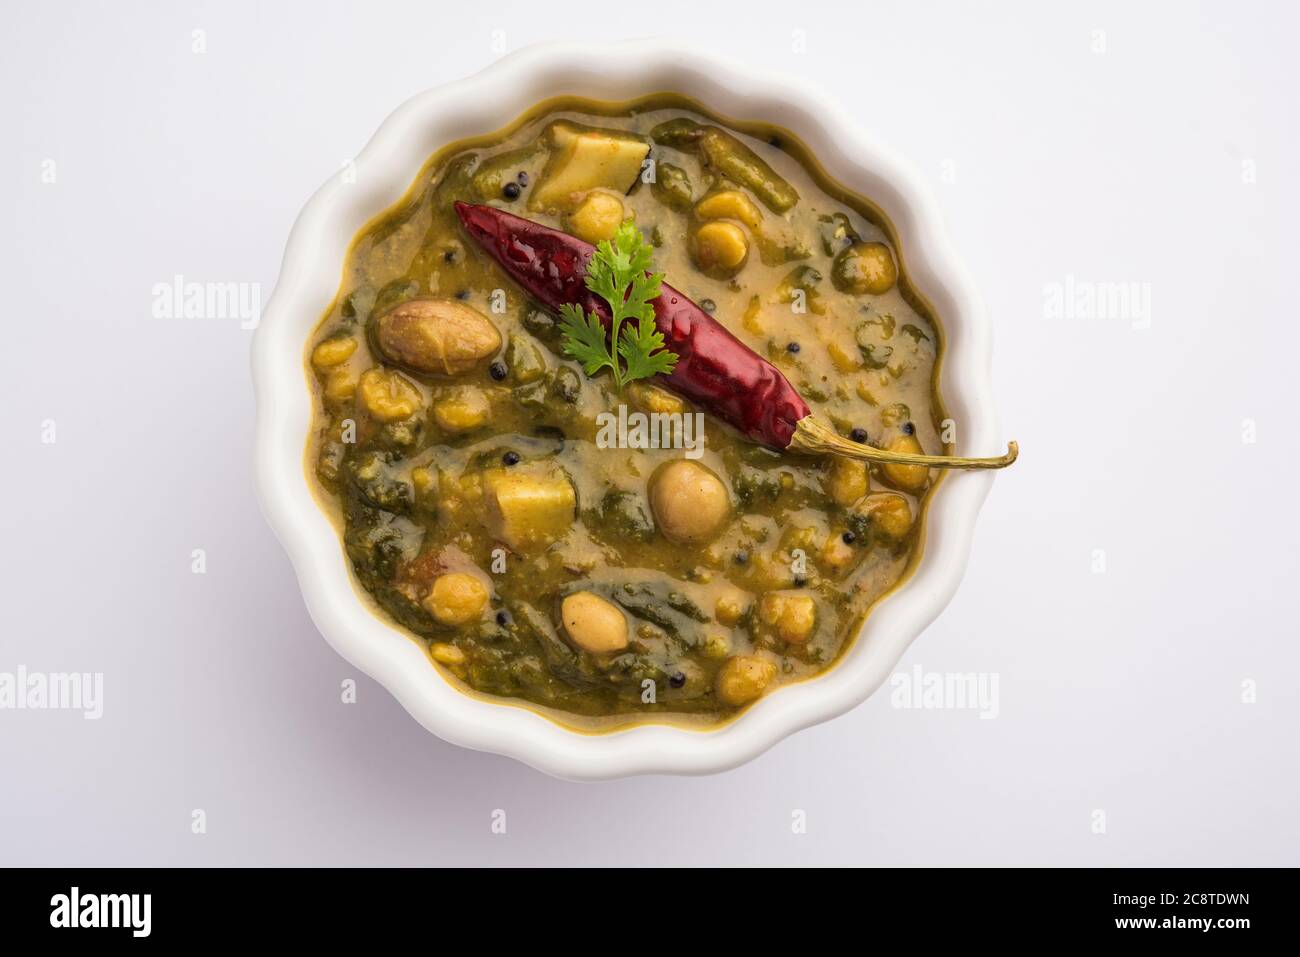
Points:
x=382 y=172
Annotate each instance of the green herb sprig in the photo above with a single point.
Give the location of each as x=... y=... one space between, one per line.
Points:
x=619 y=273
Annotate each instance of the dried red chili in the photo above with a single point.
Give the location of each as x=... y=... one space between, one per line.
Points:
x=715 y=370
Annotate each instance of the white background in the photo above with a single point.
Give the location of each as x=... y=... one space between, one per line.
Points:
x=1120 y=691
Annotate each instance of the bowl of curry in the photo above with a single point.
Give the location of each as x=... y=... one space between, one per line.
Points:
x=607 y=404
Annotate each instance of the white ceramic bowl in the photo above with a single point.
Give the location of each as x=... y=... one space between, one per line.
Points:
x=382 y=173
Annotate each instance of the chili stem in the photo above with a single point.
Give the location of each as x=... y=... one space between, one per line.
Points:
x=811 y=436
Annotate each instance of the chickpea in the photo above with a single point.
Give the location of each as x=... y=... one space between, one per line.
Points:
x=651 y=398
x=388 y=396
x=864 y=267
x=456 y=598
x=446 y=654
x=767 y=571
x=719 y=248
x=743 y=679
x=837 y=554
x=730 y=204
x=793 y=616
x=715 y=643
x=730 y=607
x=597 y=217
x=891 y=516
x=333 y=352
x=424 y=483
x=465 y=410
x=593 y=624
x=690 y=503
x=340 y=386
x=909 y=478
x=847 y=481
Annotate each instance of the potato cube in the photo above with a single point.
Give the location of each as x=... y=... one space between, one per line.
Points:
x=585 y=161
x=528 y=511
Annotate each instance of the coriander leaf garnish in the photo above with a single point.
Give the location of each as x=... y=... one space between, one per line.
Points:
x=638 y=347
x=619 y=273
x=584 y=339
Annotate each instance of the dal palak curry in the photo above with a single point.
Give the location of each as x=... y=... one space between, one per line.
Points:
x=670 y=519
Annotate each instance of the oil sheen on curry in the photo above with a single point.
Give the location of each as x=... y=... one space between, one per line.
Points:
x=599 y=545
